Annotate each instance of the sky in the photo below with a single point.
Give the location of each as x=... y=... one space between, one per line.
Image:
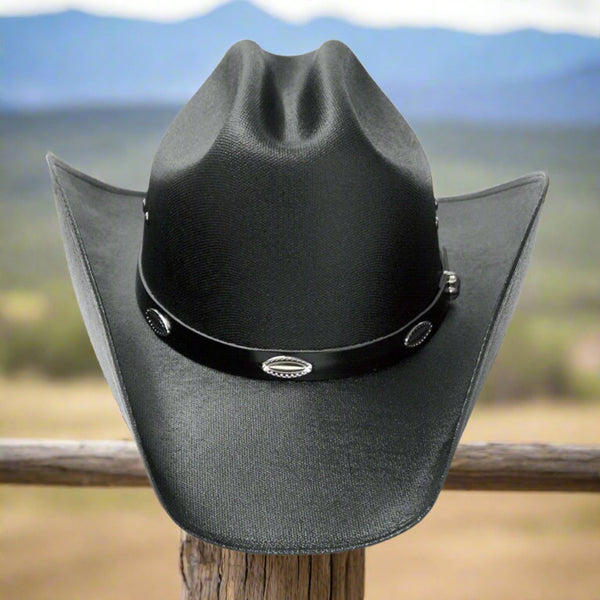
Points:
x=576 y=16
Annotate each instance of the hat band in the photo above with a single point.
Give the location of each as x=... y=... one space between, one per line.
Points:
x=330 y=363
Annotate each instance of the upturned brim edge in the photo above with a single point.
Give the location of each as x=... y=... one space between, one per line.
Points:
x=297 y=467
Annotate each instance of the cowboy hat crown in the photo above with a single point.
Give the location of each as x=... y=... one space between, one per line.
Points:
x=290 y=206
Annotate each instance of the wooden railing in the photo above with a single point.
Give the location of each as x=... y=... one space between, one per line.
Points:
x=484 y=466
x=212 y=573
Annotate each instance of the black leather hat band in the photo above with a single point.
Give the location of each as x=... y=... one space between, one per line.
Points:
x=304 y=365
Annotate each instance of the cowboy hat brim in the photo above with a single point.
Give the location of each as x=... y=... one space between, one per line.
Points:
x=297 y=467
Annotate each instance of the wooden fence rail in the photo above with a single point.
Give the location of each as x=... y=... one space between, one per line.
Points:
x=212 y=573
x=483 y=466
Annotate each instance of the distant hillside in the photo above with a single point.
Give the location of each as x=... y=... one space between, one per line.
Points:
x=72 y=58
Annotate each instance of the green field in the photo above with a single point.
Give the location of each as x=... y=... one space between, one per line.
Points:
x=553 y=344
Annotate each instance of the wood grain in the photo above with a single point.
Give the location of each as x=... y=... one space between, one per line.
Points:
x=211 y=573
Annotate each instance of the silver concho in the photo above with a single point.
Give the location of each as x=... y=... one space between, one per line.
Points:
x=286 y=367
x=418 y=334
x=452 y=285
x=158 y=322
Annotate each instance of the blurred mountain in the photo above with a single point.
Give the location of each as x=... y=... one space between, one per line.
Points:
x=73 y=58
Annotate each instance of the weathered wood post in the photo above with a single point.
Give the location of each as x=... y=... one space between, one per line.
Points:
x=212 y=573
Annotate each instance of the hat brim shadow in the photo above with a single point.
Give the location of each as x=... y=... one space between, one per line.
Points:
x=297 y=467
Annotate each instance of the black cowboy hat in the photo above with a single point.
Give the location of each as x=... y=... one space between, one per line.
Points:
x=279 y=316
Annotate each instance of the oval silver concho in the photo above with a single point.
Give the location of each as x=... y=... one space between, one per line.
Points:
x=418 y=334
x=158 y=322
x=286 y=367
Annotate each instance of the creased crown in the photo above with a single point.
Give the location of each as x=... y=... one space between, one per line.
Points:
x=290 y=206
